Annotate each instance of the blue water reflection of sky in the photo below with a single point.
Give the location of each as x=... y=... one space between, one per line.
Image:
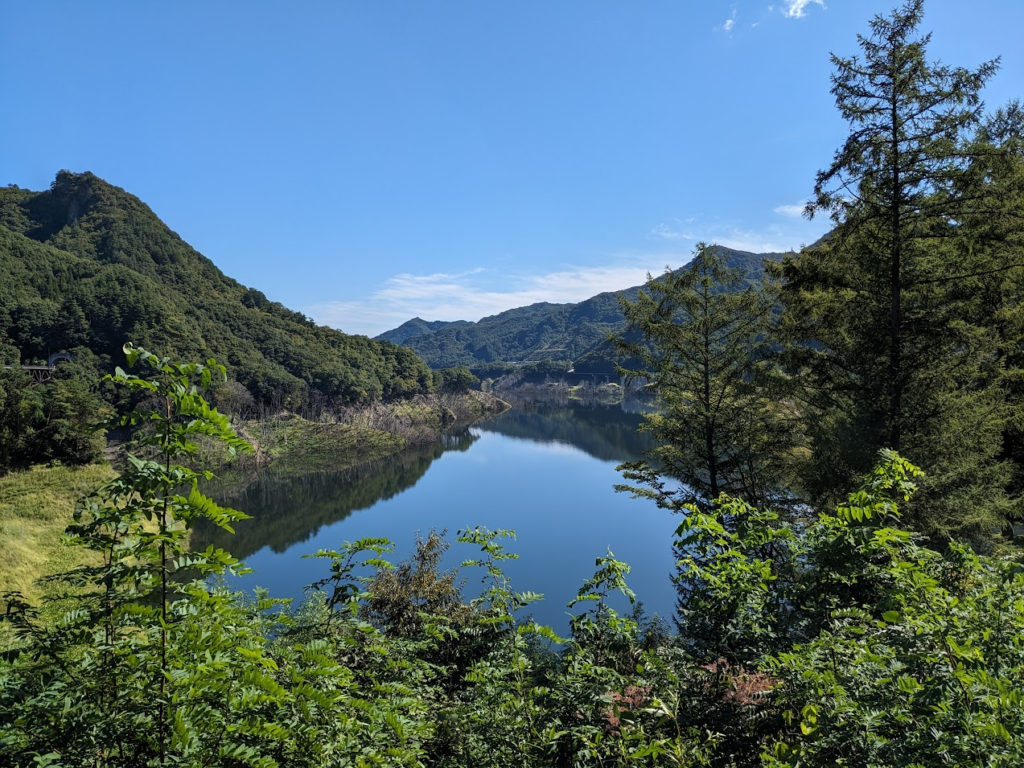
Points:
x=558 y=499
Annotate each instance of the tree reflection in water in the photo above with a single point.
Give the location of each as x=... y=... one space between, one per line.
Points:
x=287 y=509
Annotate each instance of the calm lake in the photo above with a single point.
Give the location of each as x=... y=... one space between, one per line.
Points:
x=545 y=471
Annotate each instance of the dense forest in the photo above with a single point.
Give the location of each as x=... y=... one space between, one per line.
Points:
x=85 y=266
x=842 y=445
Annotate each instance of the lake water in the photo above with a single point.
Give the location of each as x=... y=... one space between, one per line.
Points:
x=546 y=471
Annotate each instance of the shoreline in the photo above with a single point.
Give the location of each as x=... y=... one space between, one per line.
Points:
x=360 y=435
x=36 y=504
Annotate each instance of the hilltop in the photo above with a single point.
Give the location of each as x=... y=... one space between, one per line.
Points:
x=86 y=266
x=543 y=331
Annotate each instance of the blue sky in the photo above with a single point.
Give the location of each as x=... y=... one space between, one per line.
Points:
x=367 y=162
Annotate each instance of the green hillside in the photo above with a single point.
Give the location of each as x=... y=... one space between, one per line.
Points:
x=419 y=327
x=543 y=331
x=87 y=266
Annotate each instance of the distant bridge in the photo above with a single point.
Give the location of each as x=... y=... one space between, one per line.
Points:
x=43 y=373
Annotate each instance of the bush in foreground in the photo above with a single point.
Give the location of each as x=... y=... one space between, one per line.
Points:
x=837 y=639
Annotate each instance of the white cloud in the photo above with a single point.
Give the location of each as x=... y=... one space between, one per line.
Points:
x=729 y=23
x=754 y=242
x=774 y=239
x=794 y=211
x=665 y=232
x=794 y=9
x=480 y=293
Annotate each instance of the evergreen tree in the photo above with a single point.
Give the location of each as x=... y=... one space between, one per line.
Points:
x=891 y=314
x=996 y=231
x=698 y=335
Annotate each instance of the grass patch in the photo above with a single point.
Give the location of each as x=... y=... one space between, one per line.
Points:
x=35 y=507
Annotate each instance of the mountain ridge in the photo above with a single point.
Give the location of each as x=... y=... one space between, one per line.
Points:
x=87 y=266
x=574 y=331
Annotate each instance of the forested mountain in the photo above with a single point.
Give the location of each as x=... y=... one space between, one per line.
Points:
x=87 y=266
x=420 y=327
x=543 y=331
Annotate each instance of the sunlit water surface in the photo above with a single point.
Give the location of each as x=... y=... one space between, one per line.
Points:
x=547 y=472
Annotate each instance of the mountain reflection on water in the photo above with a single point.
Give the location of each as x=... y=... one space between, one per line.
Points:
x=290 y=509
x=545 y=470
x=606 y=432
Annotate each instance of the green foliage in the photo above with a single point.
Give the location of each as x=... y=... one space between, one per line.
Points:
x=920 y=658
x=702 y=347
x=866 y=647
x=48 y=423
x=146 y=669
x=530 y=372
x=344 y=585
x=455 y=379
x=898 y=323
x=399 y=598
x=700 y=341
x=85 y=264
x=137 y=525
x=731 y=579
x=802 y=645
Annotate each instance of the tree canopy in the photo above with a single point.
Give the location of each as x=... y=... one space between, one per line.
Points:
x=87 y=265
x=898 y=322
x=701 y=342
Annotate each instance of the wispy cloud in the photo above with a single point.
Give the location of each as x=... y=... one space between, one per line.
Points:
x=730 y=234
x=729 y=23
x=667 y=232
x=795 y=9
x=480 y=292
x=794 y=211
x=753 y=241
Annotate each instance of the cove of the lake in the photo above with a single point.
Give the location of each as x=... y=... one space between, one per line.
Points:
x=545 y=470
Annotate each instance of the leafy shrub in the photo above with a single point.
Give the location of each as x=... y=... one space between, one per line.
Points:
x=833 y=639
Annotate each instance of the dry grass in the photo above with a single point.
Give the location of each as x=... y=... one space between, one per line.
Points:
x=35 y=507
x=291 y=440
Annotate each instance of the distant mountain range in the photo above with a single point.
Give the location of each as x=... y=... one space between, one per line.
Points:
x=86 y=266
x=543 y=331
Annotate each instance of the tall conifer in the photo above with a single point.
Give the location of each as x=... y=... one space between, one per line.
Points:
x=890 y=317
x=699 y=336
